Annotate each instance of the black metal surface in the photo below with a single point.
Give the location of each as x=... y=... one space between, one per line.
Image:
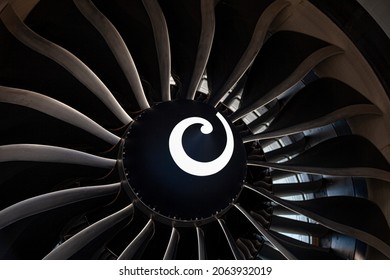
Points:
x=160 y=184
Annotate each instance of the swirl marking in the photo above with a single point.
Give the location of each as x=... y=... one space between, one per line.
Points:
x=188 y=164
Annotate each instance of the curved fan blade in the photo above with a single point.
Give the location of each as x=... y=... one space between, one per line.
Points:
x=160 y=31
x=42 y=153
x=349 y=155
x=91 y=89
x=323 y=102
x=64 y=58
x=263 y=120
x=268 y=252
x=250 y=247
x=348 y=215
x=201 y=244
x=57 y=110
x=280 y=224
x=81 y=239
x=204 y=47
x=286 y=151
x=278 y=67
x=117 y=46
x=292 y=188
x=235 y=27
x=185 y=24
x=305 y=251
x=53 y=200
x=139 y=242
x=172 y=245
x=238 y=255
x=255 y=44
x=286 y=253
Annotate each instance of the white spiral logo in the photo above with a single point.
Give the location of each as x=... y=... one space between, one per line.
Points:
x=194 y=167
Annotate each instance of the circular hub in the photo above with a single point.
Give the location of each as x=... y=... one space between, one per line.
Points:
x=183 y=161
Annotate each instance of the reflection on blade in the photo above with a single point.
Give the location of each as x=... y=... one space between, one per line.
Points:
x=57 y=110
x=161 y=36
x=349 y=155
x=253 y=49
x=170 y=252
x=238 y=255
x=287 y=254
x=64 y=58
x=42 y=153
x=204 y=47
x=117 y=46
x=49 y=201
x=352 y=216
x=201 y=244
x=324 y=101
x=139 y=242
x=81 y=239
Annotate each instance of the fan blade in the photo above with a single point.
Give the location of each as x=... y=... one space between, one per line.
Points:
x=57 y=110
x=235 y=25
x=252 y=50
x=204 y=47
x=280 y=224
x=305 y=251
x=172 y=245
x=349 y=155
x=287 y=254
x=184 y=21
x=238 y=255
x=139 y=242
x=245 y=250
x=46 y=202
x=286 y=151
x=42 y=153
x=117 y=46
x=87 y=235
x=264 y=119
x=201 y=244
x=296 y=188
x=279 y=210
x=64 y=58
x=352 y=216
x=333 y=101
x=160 y=31
x=261 y=218
x=279 y=67
x=268 y=252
